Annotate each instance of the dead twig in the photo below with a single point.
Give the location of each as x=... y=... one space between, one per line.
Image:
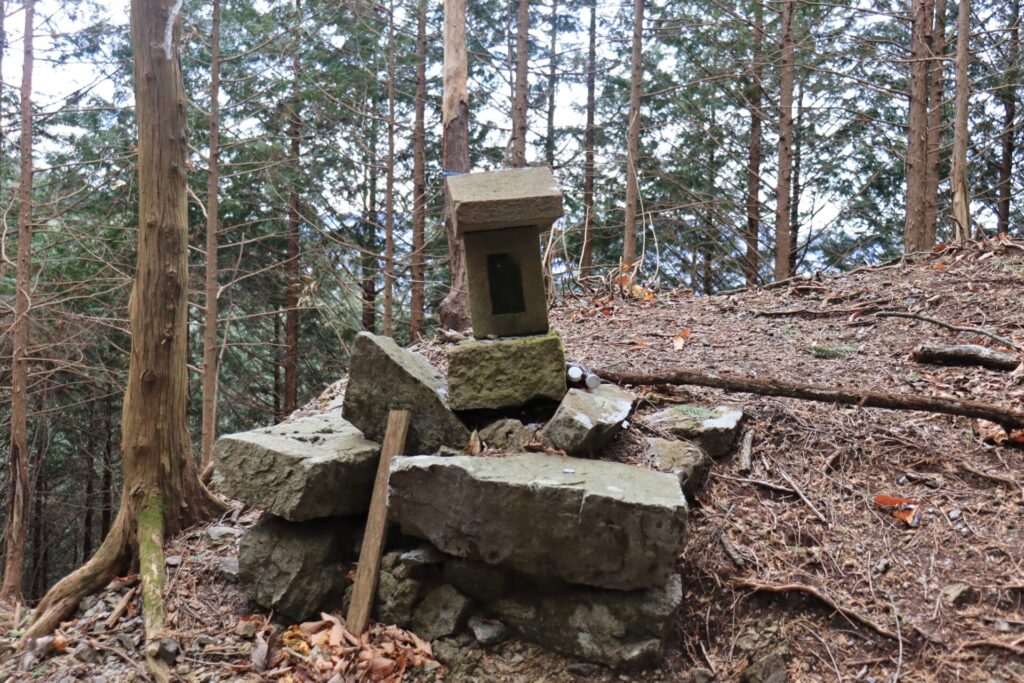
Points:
x=757 y=482
x=848 y=612
x=803 y=496
x=966 y=354
x=1006 y=417
x=744 y=464
x=122 y=605
x=955 y=328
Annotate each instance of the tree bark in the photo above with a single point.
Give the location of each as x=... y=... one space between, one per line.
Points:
x=966 y=354
x=794 y=204
x=1008 y=137
x=1007 y=417
x=419 y=179
x=89 y=460
x=107 y=513
x=20 y=498
x=291 y=326
x=915 y=232
x=455 y=154
x=549 y=139
x=958 y=178
x=369 y=258
x=162 y=493
x=210 y=365
x=751 y=263
x=389 y=185
x=519 y=100
x=936 y=85
x=629 y=241
x=783 y=188
x=589 y=144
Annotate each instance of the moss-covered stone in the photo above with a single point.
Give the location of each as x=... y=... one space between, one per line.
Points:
x=714 y=430
x=506 y=373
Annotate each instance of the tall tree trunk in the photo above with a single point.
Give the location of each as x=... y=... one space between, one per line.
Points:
x=455 y=153
x=958 y=178
x=519 y=100
x=291 y=327
x=936 y=84
x=915 y=231
x=751 y=263
x=278 y=367
x=549 y=139
x=389 y=187
x=19 y=497
x=162 y=493
x=783 y=188
x=211 y=370
x=1009 y=134
x=369 y=260
x=629 y=241
x=107 y=513
x=794 y=204
x=419 y=178
x=89 y=502
x=37 y=579
x=589 y=140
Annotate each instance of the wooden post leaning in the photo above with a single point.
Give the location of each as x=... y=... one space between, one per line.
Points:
x=376 y=526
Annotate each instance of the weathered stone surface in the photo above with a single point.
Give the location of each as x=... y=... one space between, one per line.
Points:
x=620 y=629
x=507 y=372
x=508 y=434
x=686 y=459
x=506 y=282
x=316 y=466
x=297 y=568
x=591 y=522
x=442 y=613
x=396 y=598
x=506 y=198
x=480 y=581
x=713 y=429
x=487 y=631
x=587 y=420
x=382 y=377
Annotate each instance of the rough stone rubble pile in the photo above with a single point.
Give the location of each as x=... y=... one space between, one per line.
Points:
x=569 y=551
x=573 y=553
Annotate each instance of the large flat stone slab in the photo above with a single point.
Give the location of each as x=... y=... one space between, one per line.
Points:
x=383 y=377
x=713 y=429
x=589 y=522
x=506 y=373
x=315 y=466
x=586 y=420
x=297 y=569
x=500 y=199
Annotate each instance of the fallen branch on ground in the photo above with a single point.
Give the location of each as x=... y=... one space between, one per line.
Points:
x=956 y=328
x=847 y=612
x=966 y=354
x=1006 y=417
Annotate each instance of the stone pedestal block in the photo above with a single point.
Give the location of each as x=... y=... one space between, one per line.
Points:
x=505 y=373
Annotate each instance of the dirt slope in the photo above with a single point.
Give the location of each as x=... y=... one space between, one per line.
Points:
x=769 y=585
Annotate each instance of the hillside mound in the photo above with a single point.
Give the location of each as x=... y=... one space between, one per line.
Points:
x=846 y=543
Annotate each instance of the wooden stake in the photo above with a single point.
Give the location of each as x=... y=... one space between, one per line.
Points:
x=376 y=526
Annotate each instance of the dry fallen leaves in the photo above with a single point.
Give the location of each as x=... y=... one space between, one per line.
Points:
x=679 y=341
x=325 y=650
x=907 y=510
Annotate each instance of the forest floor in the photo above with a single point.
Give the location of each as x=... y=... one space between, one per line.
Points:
x=791 y=559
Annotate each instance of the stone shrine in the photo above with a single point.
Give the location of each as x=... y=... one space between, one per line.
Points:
x=499 y=216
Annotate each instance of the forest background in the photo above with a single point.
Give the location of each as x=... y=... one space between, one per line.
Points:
x=700 y=146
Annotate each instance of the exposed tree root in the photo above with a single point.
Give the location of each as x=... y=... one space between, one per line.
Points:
x=847 y=612
x=955 y=328
x=1006 y=417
